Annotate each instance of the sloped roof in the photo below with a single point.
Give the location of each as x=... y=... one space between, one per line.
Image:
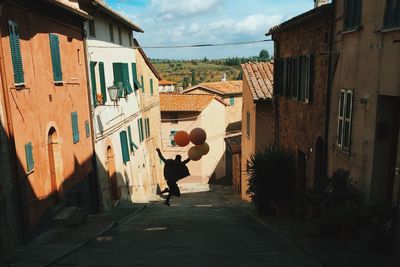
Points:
x=70 y=6
x=109 y=11
x=304 y=17
x=147 y=60
x=222 y=88
x=182 y=102
x=166 y=82
x=260 y=77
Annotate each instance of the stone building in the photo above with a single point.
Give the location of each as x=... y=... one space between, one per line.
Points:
x=300 y=90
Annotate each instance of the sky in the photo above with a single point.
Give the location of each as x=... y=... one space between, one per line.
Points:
x=187 y=22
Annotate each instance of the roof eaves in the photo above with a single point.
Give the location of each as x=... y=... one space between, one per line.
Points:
x=80 y=13
x=146 y=59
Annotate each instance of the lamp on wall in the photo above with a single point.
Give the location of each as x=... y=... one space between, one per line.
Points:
x=363 y=100
x=113 y=92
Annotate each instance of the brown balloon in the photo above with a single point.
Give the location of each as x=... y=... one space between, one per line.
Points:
x=198 y=136
x=181 y=138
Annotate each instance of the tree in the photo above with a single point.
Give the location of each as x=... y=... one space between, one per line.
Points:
x=185 y=82
x=193 y=77
x=240 y=76
x=264 y=54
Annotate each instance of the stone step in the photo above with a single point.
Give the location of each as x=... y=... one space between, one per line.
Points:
x=70 y=217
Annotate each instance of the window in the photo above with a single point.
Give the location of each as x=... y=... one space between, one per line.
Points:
x=87 y=129
x=140 y=129
x=151 y=87
x=30 y=164
x=392 y=14
x=98 y=81
x=121 y=78
x=248 y=124
x=147 y=127
x=92 y=32
x=352 y=14
x=119 y=36
x=16 y=53
x=55 y=57
x=124 y=146
x=75 y=128
x=111 y=28
x=296 y=78
x=136 y=84
x=130 y=39
x=344 y=119
x=231 y=100
x=130 y=138
x=172 y=136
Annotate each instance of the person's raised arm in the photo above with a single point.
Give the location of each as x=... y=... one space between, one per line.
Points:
x=186 y=161
x=160 y=155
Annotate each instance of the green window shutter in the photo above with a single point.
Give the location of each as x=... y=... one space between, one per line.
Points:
x=93 y=82
x=16 y=52
x=357 y=14
x=118 y=78
x=124 y=146
x=55 y=57
x=87 y=129
x=151 y=87
x=125 y=75
x=147 y=127
x=231 y=100
x=136 y=83
x=75 y=128
x=142 y=81
x=130 y=138
x=30 y=164
x=171 y=136
x=141 y=128
x=102 y=82
x=140 y=131
x=392 y=14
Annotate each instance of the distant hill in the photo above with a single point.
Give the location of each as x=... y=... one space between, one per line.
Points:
x=191 y=72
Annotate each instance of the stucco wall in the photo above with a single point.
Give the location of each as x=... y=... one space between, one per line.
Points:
x=234 y=112
x=368 y=64
x=42 y=104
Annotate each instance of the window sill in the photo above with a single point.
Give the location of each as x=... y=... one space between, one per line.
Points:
x=20 y=86
x=58 y=83
x=30 y=172
x=351 y=30
x=390 y=29
x=342 y=151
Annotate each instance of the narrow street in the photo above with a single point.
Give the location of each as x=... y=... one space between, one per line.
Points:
x=199 y=229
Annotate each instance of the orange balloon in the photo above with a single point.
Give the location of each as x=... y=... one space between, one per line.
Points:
x=181 y=138
x=198 y=136
x=194 y=153
x=204 y=148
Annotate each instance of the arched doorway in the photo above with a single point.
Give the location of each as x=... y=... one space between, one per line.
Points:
x=112 y=175
x=318 y=163
x=55 y=165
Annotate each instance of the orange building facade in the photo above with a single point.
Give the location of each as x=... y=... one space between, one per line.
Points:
x=46 y=98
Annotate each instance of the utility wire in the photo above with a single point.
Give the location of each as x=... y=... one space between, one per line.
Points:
x=187 y=46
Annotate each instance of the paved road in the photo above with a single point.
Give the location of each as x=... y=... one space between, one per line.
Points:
x=202 y=229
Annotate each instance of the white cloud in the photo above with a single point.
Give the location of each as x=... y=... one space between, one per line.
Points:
x=171 y=8
x=257 y=23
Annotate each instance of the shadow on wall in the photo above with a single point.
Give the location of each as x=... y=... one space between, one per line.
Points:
x=221 y=180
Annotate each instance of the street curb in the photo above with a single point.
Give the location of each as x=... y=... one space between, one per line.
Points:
x=109 y=227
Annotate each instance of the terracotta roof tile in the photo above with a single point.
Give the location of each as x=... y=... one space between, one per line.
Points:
x=182 y=102
x=260 y=77
x=223 y=88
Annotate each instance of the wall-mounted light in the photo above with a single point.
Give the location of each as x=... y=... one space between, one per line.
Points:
x=363 y=100
x=113 y=92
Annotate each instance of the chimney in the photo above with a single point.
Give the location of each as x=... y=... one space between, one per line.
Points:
x=223 y=77
x=318 y=3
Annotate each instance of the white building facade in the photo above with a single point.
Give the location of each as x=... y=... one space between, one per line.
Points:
x=118 y=126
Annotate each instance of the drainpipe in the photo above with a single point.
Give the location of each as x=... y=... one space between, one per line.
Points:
x=329 y=90
x=21 y=217
x=94 y=161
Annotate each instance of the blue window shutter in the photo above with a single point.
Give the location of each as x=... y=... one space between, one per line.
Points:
x=151 y=87
x=93 y=82
x=30 y=164
x=102 y=82
x=75 y=128
x=142 y=81
x=55 y=57
x=124 y=146
x=16 y=52
x=87 y=129
x=125 y=75
x=231 y=100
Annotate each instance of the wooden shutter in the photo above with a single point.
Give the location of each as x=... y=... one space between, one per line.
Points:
x=130 y=138
x=302 y=78
x=309 y=78
x=124 y=146
x=136 y=84
x=151 y=87
x=140 y=129
x=102 y=82
x=30 y=164
x=142 y=81
x=357 y=14
x=147 y=126
x=125 y=75
x=111 y=29
x=348 y=109
x=172 y=136
x=93 y=82
x=87 y=129
x=118 y=78
x=390 y=13
x=339 y=138
x=75 y=128
x=55 y=57
x=16 y=53
x=295 y=78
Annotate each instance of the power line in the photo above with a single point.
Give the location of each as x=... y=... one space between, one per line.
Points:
x=188 y=46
